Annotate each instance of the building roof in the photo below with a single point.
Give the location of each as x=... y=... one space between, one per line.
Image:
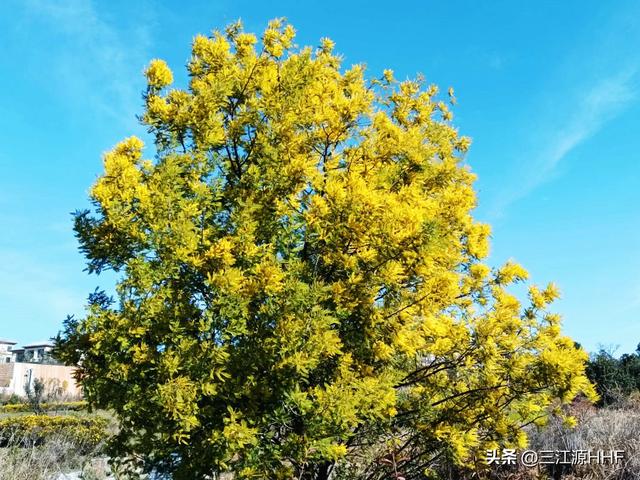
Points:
x=39 y=344
x=7 y=342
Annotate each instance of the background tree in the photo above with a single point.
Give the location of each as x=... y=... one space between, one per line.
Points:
x=614 y=378
x=302 y=293
x=35 y=392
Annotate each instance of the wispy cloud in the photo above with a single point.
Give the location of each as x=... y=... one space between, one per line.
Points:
x=591 y=110
x=597 y=107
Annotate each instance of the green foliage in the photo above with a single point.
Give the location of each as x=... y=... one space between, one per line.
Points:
x=614 y=378
x=35 y=394
x=9 y=399
x=301 y=279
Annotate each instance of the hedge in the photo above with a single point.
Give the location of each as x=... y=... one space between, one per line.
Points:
x=86 y=431
x=45 y=407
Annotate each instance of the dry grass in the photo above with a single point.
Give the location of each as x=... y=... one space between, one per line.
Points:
x=46 y=462
x=604 y=429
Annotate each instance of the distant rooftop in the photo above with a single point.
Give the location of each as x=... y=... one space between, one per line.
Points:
x=7 y=342
x=39 y=344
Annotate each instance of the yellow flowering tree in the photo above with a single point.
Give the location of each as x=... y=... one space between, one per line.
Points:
x=302 y=290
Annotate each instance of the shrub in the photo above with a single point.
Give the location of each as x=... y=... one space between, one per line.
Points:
x=86 y=432
x=45 y=407
x=302 y=276
x=6 y=399
x=35 y=394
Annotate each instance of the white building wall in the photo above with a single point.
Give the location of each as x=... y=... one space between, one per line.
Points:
x=5 y=352
x=14 y=377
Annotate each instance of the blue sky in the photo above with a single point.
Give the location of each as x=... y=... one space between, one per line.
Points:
x=549 y=92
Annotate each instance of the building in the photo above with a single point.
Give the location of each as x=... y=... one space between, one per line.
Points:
x=20 y=367
x=39 y=352
x=17 y=354
x=6 y=351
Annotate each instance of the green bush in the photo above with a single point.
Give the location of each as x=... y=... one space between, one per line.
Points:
x=615 y=378
x=35 y=394
x=6 y=399
x=86 y=432
x=45 y=407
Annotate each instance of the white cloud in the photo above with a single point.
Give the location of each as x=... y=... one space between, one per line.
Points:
x=594 y=108
x=598 y=106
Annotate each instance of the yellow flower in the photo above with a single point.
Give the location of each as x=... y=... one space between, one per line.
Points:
x=158 y=74
x=336 y=451
x=511 y=272
x=326 y=45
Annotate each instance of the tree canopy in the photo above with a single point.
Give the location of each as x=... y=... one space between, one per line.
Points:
x=302 y=286
x=615 y=379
